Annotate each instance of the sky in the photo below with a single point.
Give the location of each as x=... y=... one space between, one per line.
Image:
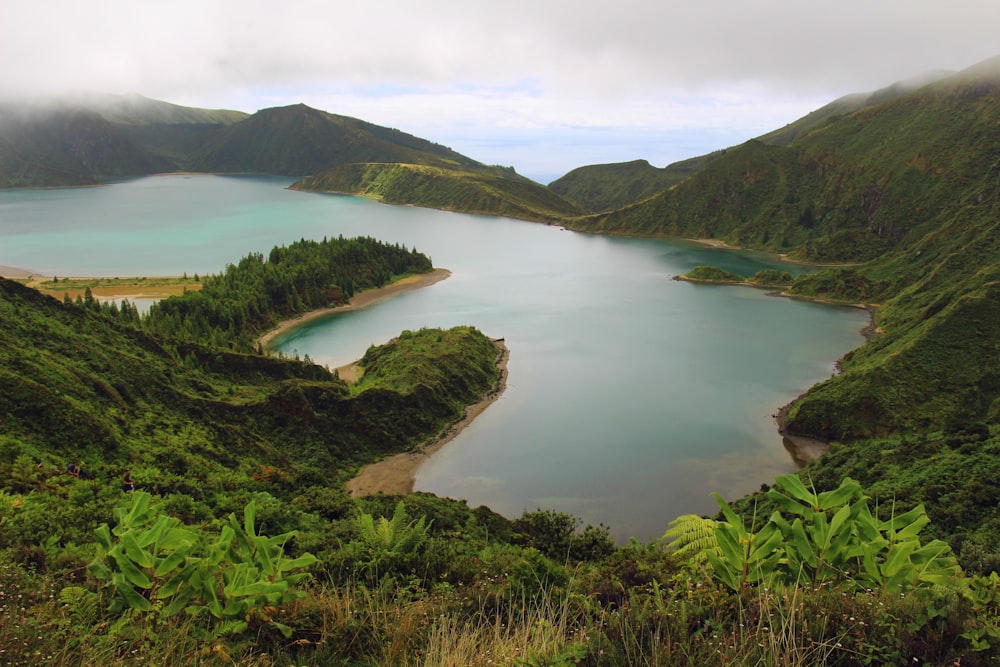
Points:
x=542 y=85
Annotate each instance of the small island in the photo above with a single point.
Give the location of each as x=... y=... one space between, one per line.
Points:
x=771 y=278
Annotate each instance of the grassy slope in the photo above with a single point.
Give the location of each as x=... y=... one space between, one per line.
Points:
x=449 y=189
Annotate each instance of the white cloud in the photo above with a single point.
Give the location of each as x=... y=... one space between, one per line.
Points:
x=520 y=67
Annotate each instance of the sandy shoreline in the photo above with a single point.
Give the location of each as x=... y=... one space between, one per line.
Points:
x=396 y=474
x=359 y=301
x=802 y=450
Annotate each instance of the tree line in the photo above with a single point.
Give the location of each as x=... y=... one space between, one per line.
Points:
x=232 y=308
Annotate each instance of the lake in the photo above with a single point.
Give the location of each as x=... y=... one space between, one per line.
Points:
x=631 y=396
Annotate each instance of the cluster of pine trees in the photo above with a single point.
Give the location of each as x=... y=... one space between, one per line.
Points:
x=234 y=307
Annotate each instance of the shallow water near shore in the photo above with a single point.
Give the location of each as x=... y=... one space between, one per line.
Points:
x=631 y=396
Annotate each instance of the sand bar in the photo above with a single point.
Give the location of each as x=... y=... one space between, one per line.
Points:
x=396 y=474
x=359 y=301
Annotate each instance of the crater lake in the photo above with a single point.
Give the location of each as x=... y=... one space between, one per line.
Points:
x=631 y=397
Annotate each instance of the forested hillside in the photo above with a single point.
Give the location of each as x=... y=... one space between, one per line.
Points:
x=234 y=308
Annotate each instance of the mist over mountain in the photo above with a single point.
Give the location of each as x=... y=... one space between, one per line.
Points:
x=605 y=187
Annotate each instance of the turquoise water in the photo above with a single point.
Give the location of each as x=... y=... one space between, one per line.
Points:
x=631 y=396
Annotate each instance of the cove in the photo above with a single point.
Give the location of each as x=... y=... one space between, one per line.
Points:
x=631 y=396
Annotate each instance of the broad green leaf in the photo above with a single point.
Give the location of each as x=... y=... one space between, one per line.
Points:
x=819 y=531
x=137 y=512
x=174 y=560
x=909 y=524
x=847 y=491
x=763 y=544
x=240 y=574
x=129 y=570
x=865 y=524
x=934 y=564
x=305 y=560
x=175 y=538
x=222 y=548
x=898 y=558
x=283 y=629
x=244 y=550
x=178 y=581
x=804 y=551
x=151 y=535
x=839 y=519
x=104 y=536
x=257 y=588
x=293 y=579
x=99 y=569
x=838 y=550
x=263 y=552
x=733 y=520
x=870 y=564
x=139 y=556
x=249 y=519
x=133 y=599
x=724 y=571
x=729 y=544
x=793 y=485
x=213 y=604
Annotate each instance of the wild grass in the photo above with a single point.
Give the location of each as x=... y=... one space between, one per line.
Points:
x=394 y=623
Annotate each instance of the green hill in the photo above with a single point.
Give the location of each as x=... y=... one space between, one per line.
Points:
x=849 y=104
x=94 y=138
x=859 y=186
x=89 y=139
x=72 y=147
x=605 y=187
x=138 y=110
x=299 y=140
x=493 y=192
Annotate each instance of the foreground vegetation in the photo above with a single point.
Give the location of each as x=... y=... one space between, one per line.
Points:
x=426 y=581
x=247 y=549
x=240 y=545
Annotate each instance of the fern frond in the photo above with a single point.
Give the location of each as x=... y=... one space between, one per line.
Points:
x=692 y=537
x=81 y=604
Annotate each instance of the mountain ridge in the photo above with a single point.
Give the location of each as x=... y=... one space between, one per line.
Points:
x=605 y=187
